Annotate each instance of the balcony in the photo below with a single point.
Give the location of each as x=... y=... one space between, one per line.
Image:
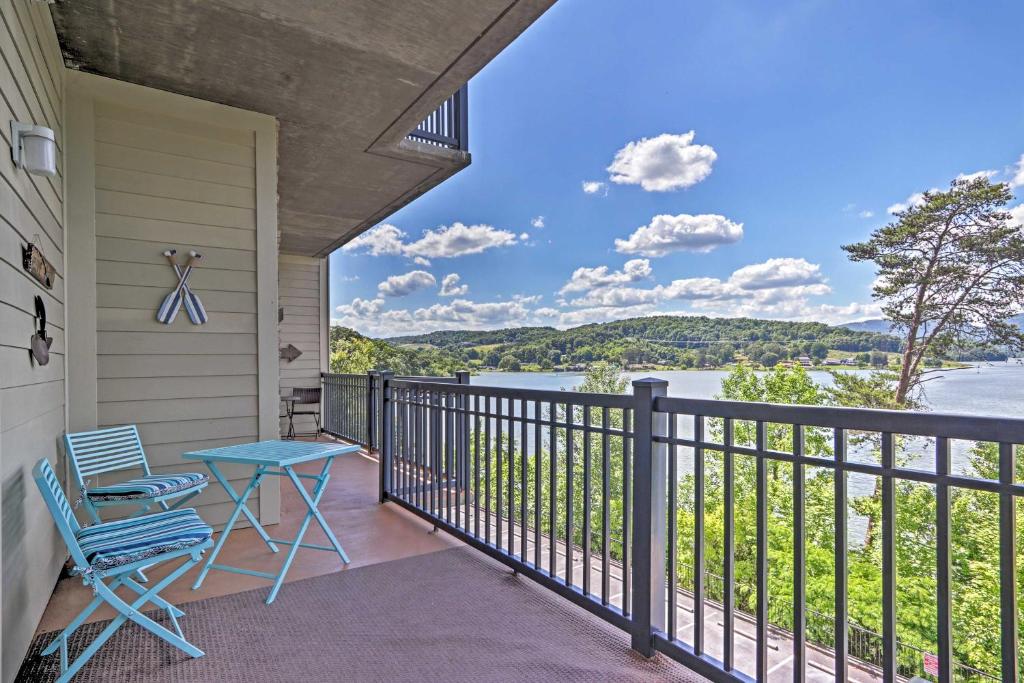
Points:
x=581 y=497
x=448 y=125
x=505 y=471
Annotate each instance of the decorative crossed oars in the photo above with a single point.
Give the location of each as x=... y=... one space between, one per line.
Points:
x=182 y=293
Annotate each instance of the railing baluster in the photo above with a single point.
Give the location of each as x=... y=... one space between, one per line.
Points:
x=586 y=500
x=627 y=512
x=761 y=570
x=605 y=507
x=537 y=498
x=1008 y=564
x=451 y=475
x=511 y=478
x=698 y=537
x=888 y=485
x=673 y=515
x=524 y=451
x=570 y=531
x=841 y=644
x=499 y=482
x=942 y=561
x=487 y=469
x=476 y=466
x=728 y=550
x=552 y=491
x=799 y=562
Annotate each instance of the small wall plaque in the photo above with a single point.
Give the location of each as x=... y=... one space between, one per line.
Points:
x=290 y=353
x=37 y=266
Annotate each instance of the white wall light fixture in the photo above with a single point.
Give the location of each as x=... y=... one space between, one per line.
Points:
x=34 y=148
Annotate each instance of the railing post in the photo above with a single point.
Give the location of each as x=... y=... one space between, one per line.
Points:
x=462 y=429
x=384 y=452
x=650 y=518
x=462 y=98
x=371 y=411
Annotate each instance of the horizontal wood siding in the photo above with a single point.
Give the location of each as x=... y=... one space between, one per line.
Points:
x=164 y=183
x=299 y=288
x=31 y=397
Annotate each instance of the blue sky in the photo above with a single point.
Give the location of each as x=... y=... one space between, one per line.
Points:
x=810 y=121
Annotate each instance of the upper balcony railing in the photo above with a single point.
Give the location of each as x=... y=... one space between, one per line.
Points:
x=630 y=506
x=448 y=125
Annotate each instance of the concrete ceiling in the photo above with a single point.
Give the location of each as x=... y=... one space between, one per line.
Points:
x=346 y=79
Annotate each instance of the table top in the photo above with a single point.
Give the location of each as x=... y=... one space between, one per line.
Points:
x=275 y=452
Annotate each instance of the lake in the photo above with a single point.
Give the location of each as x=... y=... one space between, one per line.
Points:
x=984 y=389
x=993 y=389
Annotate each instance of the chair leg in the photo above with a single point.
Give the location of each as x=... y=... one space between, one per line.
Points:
x=157 y=600
x=105 y=593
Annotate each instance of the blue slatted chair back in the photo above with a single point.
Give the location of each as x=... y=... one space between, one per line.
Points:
x=105 y=450
x=59 y=507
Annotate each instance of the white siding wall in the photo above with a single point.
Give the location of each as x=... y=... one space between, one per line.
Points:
x=31 y=398
x=166 y=183
x=300 y=285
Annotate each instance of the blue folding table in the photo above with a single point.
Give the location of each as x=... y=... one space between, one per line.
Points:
x=273 y=458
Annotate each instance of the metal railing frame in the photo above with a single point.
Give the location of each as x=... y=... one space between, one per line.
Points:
x=425 y=429
x=448 y=125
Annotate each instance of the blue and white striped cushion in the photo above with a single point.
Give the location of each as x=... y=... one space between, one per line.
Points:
x=113 y=544
x=150 y=486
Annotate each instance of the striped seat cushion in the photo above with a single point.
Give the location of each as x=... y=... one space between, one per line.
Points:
x=113 y=544
x=151 y=486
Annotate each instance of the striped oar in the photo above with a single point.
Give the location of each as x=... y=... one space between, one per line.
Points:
x=193 y=306
x=172 y=302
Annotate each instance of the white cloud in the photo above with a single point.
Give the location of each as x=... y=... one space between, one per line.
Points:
x=598 y=314
x=665 y=234
x=663 y=163
x=524 y=236
x=450 y=286
x=913 y=201
x=594 y=187
x=1018 y=173
x=977 y=174
x=459 y=239
x=583 y=279
x=404 y=285
x=361 y=308
x=448 y=241
x=537 y=222
x=777 y=272
x=776 y=288
x=1017 y=214
x=866 y=214
x=382 y=240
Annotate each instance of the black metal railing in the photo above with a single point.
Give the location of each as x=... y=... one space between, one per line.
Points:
x=584 y=493
x=448 y=125
x=349 y=407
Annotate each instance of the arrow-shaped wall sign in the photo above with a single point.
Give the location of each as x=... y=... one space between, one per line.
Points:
x=290 y=353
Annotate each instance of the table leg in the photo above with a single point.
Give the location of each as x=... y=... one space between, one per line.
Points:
x=312 y=504
x=239 y=506
x=312 y=513
x=245 y=509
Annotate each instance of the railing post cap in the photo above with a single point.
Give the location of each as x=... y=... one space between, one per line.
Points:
x=652 y=382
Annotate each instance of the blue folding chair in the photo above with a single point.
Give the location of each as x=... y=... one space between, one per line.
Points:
x=119 y=448
x=115 y=550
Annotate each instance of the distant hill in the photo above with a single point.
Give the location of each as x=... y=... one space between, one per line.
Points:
x=878 y=325
x=660 y=341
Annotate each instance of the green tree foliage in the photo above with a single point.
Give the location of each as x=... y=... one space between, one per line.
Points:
x=520 y=478
x=950 y=273
x=351 y=352
x=666 y=341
